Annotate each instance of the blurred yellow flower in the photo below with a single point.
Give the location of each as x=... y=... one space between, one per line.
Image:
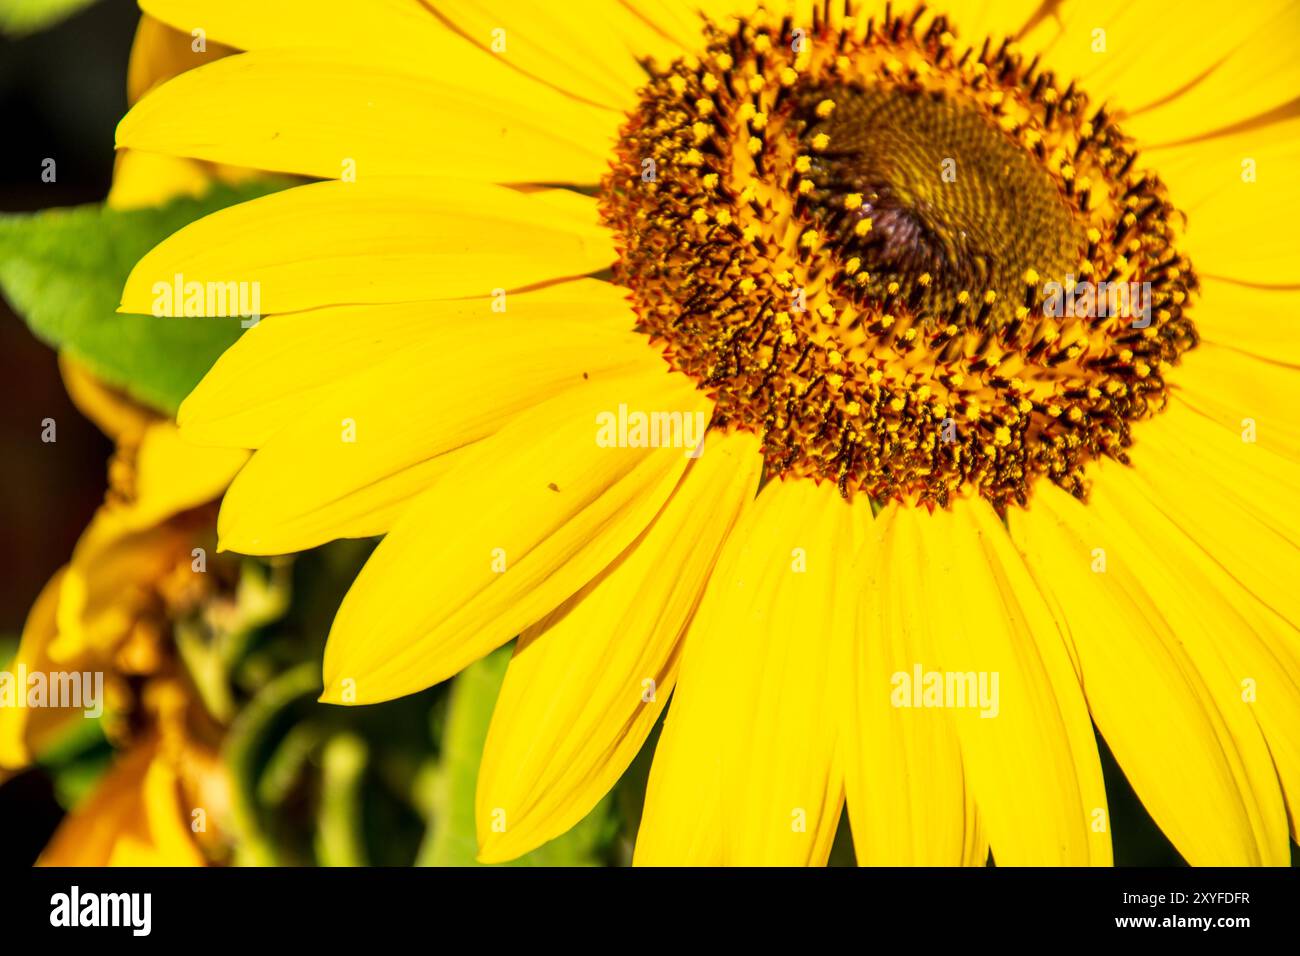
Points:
x=140 y=566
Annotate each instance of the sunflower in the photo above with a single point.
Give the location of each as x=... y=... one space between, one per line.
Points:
x=872 y=249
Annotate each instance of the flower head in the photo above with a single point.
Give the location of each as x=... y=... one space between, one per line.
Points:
x=940 y=524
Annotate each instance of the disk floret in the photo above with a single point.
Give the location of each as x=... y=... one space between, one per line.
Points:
x=876 y=248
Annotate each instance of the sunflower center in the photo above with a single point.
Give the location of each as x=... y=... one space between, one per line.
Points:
x=893 y=156
x=913 y=272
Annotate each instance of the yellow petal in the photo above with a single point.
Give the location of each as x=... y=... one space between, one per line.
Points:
x=746 y=771
x=286 y=365
x=969 y=20
x=680 y=23
x=388 y=32
x=382 y=240
x=129 y=544
x=1027 y=746
x=1216 y=620
x=587 y=48
x=909 y=802
x=976 y=18
x=111 y=581
x=528 y=518
x=1199 y=771
x=147 y=179
x=319 y=475
x=1246 y=72
x=134 y=817
x=1264 y=323
x=116 y=415
x=1252 y=398
x=174 y=475
x=141 y=179
x=1146 y=58
x=1241 y=201
x=586 y=685
x=321 y=114
x=25 y=731
x=1235 y=498
x=160 y=52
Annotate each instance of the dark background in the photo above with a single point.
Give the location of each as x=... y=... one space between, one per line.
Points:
x=62 y=92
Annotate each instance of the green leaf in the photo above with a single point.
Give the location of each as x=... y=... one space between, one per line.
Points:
x=453 y=841
x=20 y=17
x=63 y=271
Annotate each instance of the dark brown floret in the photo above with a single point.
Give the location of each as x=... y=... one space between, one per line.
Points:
x=871 y=247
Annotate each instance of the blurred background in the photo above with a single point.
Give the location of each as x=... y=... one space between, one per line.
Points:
x=62 y=92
